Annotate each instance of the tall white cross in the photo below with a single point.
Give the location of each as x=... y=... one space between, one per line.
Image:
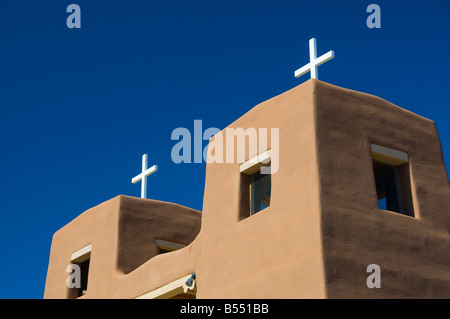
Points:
x=314 y=61
x=143 y=176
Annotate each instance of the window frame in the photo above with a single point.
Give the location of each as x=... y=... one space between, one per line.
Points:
x=401 y=168
x=165 y=246
x=79 y=258
x=248 y=170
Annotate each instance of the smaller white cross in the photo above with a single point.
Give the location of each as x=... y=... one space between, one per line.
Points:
x=143 y=176
x=314 y=61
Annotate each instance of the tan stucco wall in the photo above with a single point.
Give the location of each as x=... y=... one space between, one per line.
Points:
x=411 y=252
x=321 y=231
x=277 y=252
x=100 y=227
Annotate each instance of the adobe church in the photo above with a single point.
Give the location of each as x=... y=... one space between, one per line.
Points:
x=360 y=182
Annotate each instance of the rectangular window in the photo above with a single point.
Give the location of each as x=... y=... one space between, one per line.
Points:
x=165 y=246
x=392 y=180
x=260 y=187
x=256 y=185
x=80 y=258
x=84 y=268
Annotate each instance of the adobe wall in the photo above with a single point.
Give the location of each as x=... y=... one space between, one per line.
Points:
x=411 y=252
x=320 y=232
x=277 y=252
x=123 y=262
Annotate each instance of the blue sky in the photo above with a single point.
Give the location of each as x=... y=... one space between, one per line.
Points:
x=79 y=107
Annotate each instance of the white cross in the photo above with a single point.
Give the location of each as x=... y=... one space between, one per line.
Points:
x=314 y=61
x=143 y=175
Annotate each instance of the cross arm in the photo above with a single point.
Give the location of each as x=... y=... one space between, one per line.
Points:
x=151 y=170
x=302 y=70
x=324 y=58
x=136 y=179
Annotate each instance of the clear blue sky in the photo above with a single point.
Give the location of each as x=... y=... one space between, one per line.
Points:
x=79 y=107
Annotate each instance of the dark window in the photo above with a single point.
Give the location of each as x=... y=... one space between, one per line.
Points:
x=163 y=251
x=393 y=187
x=83 y=272
x=84 y=268
x=255 y=193
x=165 y=246
x=260 y=187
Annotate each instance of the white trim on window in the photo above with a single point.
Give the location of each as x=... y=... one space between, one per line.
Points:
x=81 y=254
x=253 y=165
x=388 y=155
